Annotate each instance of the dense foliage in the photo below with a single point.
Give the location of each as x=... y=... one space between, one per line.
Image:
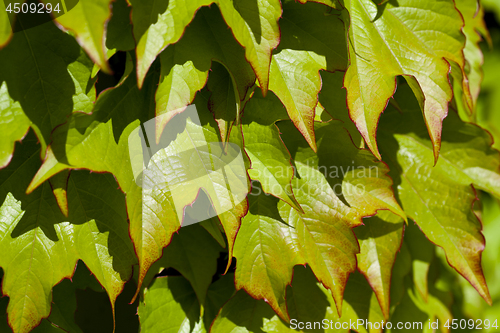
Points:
x=359 y=122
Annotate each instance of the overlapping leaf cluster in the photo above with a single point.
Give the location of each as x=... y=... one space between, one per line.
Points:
x=330 y=230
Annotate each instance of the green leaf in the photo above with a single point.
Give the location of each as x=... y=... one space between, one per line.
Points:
x=222 y=102
x=391 y=40
x=265 y=258
x=353 y=174
x=192 y=252
x=119 y=34
x=379 y=241
x=186 y=64
x=218 y=294
x=242 y=313
x=40 y=247
x=170 y=305
x=467 y=158
x=310 y=42
x=422 y=253
x=324 y=232
x=157 y=25
x=5 y=27
x=56 y=74
x=270 y=159
x=474 y=28
x=333 y=98
x=255 y=26
x=88 y=21
x=14 y=125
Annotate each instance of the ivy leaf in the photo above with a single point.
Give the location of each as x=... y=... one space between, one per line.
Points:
x=192 y=252
x=56 y=74
x=13 y=126
x=270 y=159
x=310 y=42
x=5 y=27
x=88 y=20
x=40 y=249
x=222 y=102
x=255 y=26
x=265 y=259
x=353 y=174
x=119 y=34
x=333 y=98
x=379 y=240
x=170 y=304
x=218 y=294
x=242 y=313
x=309 y=301
x=467 y=158
x=157 y=25
x=377 y=35
x=474 y=28
x=185 y=65
x=422 y=253
x=324 y=235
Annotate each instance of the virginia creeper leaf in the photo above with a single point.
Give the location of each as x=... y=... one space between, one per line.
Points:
x=264 y=258
x=218 y=294
x=379 y=241
x=41 y=249
x=170 y=305
x=192 y=252
x=255 y=26
x=88 y=21
x=222 y=102
x=186 y=64
x=13 y=125
x=5 y=27
x=422 y=253
x=474 y=28
x=119 y=34
x=467 y=159
x=393 y=39
x=270 y=159
x=310 y=42
x=55 y=76
x=324 y=231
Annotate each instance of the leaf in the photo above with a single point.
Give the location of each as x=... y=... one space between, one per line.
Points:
x=379 y=241
x=218 y=294
x=467 y=158
x=422 y=253
x=192 y=252
x=352 y=173
x=170 y=304
x=309 y=302
x=157 y=25
x=14 y=125
x=324 y=232
x=242 y=313
x=255 y=26
x=310 y=42
x=185 y=65
x=119 y=34
x=333 y=98
x=5 y=27
x=222 y=102
x=56 y=74
x=41 y=249
x=474 y=28
x=265 y=259
x=393 y=40
x=88 y=21
x=270 y=159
